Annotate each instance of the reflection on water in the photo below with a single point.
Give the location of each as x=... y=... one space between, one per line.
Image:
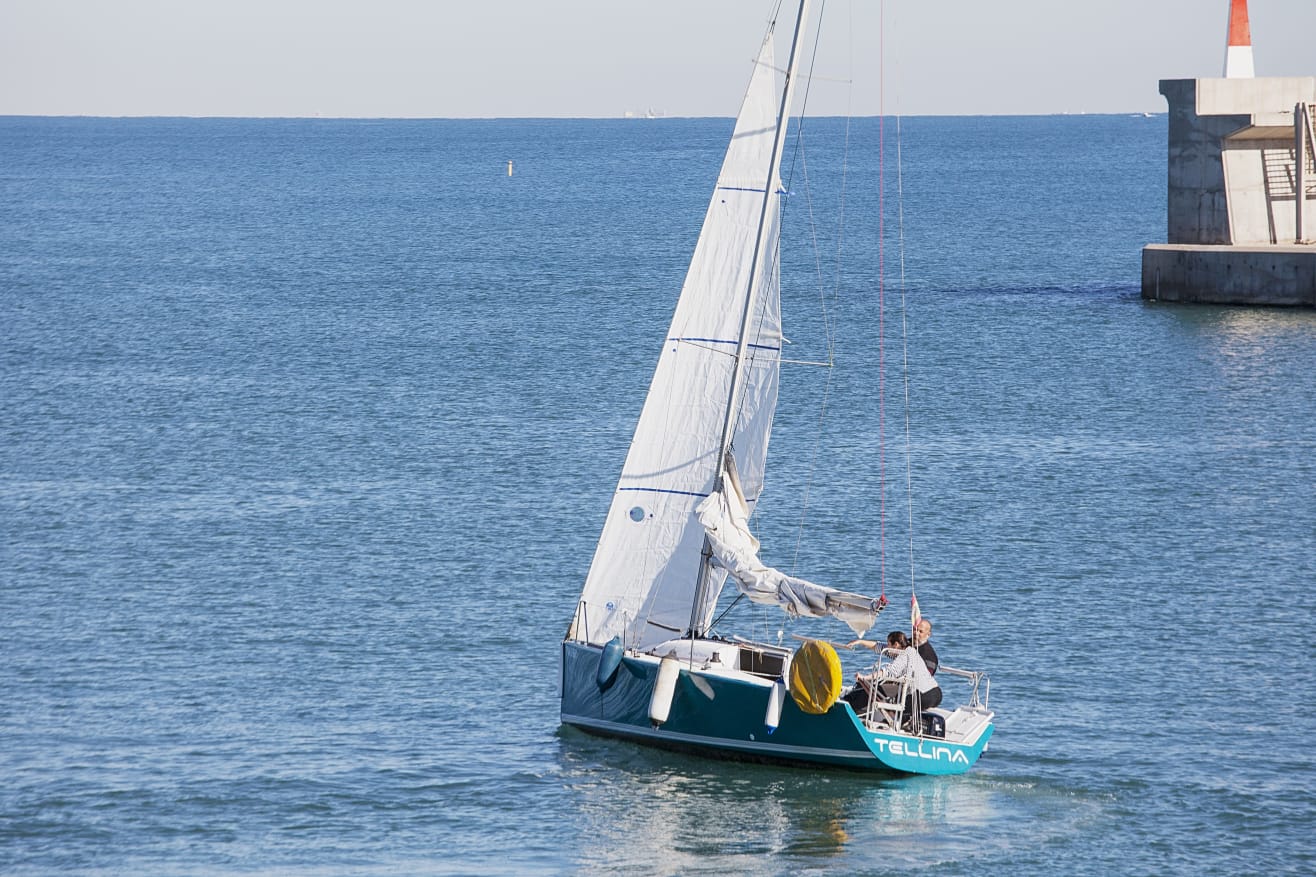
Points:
x=647 y=811
x=1250 y=343
x=1260 y=324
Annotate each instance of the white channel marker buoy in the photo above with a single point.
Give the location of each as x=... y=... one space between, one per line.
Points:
x=509 y=167
x=1238 y=46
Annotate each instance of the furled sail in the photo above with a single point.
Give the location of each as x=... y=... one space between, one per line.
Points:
x=725 y=518
x=645 y=573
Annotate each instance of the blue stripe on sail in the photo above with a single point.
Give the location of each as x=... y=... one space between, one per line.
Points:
x=725 y=341
x=666 y=490
x=737 y=189
x=661 y=490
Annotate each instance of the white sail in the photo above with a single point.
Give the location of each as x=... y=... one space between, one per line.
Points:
x=645 y=571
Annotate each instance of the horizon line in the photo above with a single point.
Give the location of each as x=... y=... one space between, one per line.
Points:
x=620 y=118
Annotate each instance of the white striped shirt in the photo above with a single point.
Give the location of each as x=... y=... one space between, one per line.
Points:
x=910 y=663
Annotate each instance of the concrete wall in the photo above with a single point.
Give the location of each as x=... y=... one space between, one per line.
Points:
x=1262 y=194
x=1271 y=275
x=1268 y=99
x=1231 y=196
x=1221 y=190
x=1197 y=207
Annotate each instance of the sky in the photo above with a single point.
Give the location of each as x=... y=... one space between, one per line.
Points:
x=604 y=58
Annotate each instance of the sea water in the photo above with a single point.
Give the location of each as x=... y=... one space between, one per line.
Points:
x=308 y=428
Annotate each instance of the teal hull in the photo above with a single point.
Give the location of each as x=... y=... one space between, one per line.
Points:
x=724 y=716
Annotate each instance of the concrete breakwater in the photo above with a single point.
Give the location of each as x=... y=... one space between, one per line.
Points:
x=1241 y=194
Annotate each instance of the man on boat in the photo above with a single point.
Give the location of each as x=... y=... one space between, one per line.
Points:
x=922 y=633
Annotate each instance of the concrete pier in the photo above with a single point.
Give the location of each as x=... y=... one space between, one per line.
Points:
x=1241 y=194
x=1232 y=275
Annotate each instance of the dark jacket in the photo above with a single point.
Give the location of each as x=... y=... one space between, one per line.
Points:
x=929 y=657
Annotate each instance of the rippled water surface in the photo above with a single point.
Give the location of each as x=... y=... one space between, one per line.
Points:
x=307 y=430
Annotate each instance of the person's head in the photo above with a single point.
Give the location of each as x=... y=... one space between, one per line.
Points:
x=896 y=639
x=922 y=631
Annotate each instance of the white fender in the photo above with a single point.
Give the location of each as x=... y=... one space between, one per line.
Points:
x=778 y=695
x=773 y=717
x=664 y=689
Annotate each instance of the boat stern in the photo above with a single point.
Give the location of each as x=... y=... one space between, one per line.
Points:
x=935 y=756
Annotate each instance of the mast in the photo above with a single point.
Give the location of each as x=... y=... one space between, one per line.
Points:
x=742 y=343
x=778 y=143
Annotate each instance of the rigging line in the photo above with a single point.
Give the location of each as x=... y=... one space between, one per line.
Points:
x=904 y=339
x=736 y=401
x=774 y=257
x=829 y=320
x=845 y=177
x=904 y=308
x=729 y=354
x=881 y=295
x=739 y=377
x=810 y=76
x=718 y=620
x=813 y=463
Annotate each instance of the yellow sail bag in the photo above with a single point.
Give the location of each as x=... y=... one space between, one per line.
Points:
x=815 y=677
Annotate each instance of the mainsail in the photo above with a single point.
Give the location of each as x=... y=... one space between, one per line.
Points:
x=644 y=581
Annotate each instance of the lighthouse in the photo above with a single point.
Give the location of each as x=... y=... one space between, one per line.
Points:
x=1238 y=45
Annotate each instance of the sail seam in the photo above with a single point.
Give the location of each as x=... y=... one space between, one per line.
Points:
x=725 y=341
x=661 y=490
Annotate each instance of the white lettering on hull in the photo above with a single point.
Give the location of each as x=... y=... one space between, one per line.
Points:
x=929 y=751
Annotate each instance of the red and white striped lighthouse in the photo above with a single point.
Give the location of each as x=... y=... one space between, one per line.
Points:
x=1238 y=48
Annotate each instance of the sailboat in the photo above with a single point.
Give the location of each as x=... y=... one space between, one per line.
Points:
x=641 y=660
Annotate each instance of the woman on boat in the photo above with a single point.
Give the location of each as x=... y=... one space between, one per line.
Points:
x=862 y=694
x=924 y=692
